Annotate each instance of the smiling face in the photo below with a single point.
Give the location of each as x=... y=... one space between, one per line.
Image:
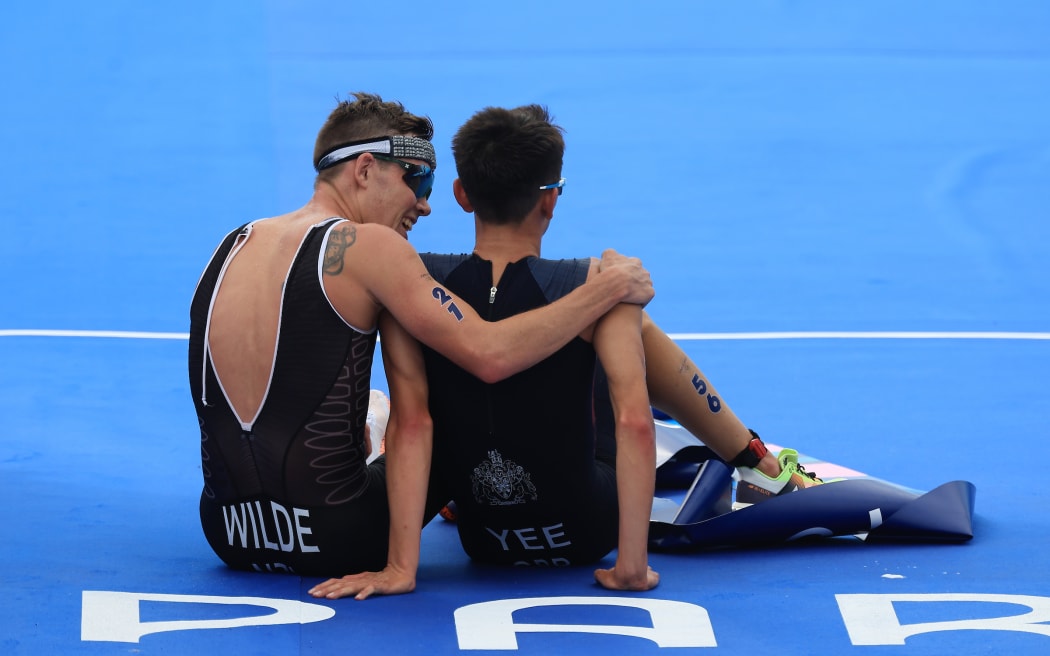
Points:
x=385 y=180
x=401 y=208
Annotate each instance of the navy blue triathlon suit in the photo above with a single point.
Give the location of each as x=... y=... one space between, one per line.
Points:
x=531 y=482
x=289 y=490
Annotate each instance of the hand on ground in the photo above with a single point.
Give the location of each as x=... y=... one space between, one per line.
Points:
x=612 y=579
x=362 y=586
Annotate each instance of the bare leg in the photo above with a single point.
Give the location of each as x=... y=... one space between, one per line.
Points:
x=679 y=388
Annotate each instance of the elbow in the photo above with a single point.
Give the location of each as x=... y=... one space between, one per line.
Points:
x=492 y=373
x=419 y=426
x=639 y=425
x=414 y=429
x=491 y=367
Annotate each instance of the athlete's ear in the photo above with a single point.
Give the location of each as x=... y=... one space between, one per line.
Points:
x=461 y=196
x=547 y=203
x=362 y=168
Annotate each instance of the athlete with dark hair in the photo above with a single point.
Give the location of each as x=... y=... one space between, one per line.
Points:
x=535 y=479
x=282 y=335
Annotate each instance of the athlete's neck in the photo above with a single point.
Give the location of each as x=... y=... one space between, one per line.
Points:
x=502 y=247
x=506 y=242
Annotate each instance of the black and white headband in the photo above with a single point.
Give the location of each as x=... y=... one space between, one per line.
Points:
x=396 y=146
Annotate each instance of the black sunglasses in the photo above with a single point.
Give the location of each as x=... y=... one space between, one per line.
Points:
x=418 y=177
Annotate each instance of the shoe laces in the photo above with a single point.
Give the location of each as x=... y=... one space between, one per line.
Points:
x=811 y=475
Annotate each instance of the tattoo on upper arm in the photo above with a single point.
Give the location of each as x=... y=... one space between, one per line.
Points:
x=443 y=297
x=339 y=240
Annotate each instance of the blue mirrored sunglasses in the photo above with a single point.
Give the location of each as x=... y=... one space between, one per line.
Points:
x=418 y=177
x=559 y=185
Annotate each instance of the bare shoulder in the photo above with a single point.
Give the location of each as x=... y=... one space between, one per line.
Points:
x=372 y=260
x=355 y=243
x=363 y=267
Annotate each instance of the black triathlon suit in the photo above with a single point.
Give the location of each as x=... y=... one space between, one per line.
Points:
x=289 y=489
x=532 y=483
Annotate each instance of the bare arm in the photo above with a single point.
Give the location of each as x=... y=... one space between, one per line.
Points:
x=408 y=452
x=618 y=342
x=385 y=267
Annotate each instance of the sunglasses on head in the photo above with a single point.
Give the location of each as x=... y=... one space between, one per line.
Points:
x=418 y=177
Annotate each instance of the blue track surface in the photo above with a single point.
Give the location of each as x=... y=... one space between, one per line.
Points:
x=789 y=167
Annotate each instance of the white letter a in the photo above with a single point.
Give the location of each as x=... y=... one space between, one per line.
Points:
x=490 y=625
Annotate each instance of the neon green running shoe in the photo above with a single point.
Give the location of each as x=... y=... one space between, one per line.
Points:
x=754 y=487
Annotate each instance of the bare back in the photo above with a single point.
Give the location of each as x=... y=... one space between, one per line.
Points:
x=243 y=330
x=243 y=327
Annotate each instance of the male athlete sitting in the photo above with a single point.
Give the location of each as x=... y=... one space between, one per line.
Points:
x=532 y=482
x=282 y=335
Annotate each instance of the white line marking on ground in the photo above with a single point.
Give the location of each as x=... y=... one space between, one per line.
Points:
x=682 y=337
x=120 y=334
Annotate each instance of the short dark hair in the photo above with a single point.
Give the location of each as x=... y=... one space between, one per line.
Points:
x=365 y=117
x=503 y=156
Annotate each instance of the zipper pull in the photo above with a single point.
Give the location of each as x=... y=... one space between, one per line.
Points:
x=492 y=295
